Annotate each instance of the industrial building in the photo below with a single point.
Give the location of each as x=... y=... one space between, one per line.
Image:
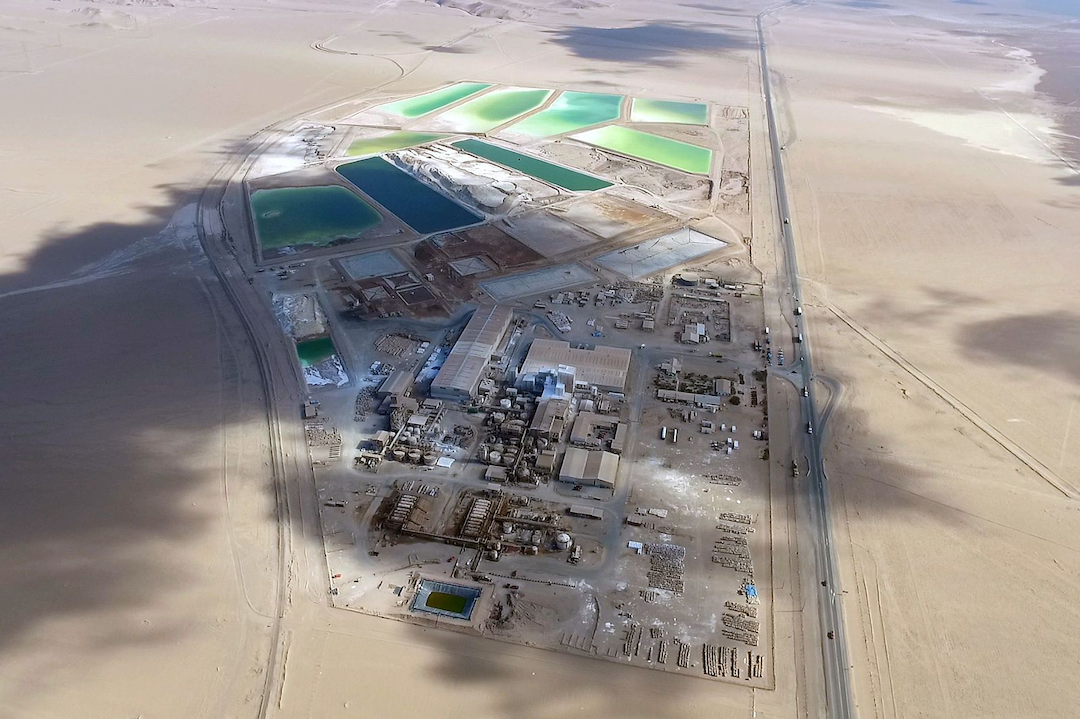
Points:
x=464 y=367
x=550 y=419
x=603 y=367
x=594 y=430
x=592 y=467
x=397 y=382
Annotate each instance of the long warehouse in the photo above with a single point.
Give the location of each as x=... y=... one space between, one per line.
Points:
x=466 y=363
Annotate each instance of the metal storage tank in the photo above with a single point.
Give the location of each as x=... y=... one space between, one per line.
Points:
x=399 y=455
x=562 y=541
x=414 y=456
x=494 y=457
x=430 y=459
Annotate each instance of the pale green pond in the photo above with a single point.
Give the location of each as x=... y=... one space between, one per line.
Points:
x=389 y=142
x=412 y=107
x=570 y=111
x=495 y=108
x=653 y=148
x=681 y=113
x=318 y=216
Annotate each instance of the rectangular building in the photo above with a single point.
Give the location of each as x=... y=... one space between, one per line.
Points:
x=550 y=419
x=463 y=368
x=604 y=367
x=596 y=468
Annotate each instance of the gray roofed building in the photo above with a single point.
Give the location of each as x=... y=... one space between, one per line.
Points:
x=604 y=367
x=463 y=368
x=581 y=466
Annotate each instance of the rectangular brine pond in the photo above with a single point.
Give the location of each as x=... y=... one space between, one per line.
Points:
x=444 y=599
x=652 y=148
x=389 y=142
x=316 y=216
x=668 y=111
x=570 y=111
x=557 y=175
x=413 y=107
x=416 y=204
x=320 y=361
x=493 y=109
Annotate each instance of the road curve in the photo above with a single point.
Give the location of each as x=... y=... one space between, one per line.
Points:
x=838 y=696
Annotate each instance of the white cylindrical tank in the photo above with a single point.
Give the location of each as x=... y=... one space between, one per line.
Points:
x=494 y=457
x=562 y=541
x=505 y=403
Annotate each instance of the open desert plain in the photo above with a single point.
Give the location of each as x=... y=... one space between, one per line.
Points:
x=511 y=359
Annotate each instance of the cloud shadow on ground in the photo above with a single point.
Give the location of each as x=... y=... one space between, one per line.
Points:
x=654 y=43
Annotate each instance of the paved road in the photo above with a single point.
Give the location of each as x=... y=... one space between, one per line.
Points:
x=838 y=695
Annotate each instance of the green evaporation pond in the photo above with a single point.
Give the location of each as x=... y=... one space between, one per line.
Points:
x=309 y=215
x=495 y=108
x=412 y=107
x=418 y=206
x=557 y=175
x=571 y=111
x=446 y=602
x=683 y=113
x=646 y=146
x=389 y=142
x=312 y=352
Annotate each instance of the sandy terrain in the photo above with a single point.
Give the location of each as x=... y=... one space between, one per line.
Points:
x=937 y=215
x=142 y=554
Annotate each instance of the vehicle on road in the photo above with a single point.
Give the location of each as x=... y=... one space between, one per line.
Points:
x=805 y=391
x=809 y=428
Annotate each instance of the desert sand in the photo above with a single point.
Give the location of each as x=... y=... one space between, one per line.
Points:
x=149 y=566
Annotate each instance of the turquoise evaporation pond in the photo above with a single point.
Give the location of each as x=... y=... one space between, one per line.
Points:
x=654 y=148
x=681 y=113
x=418 y=206
x=495 y=108
x=312 y=352
x=558 y=175
x=571 y=111
x=413 y=107
x=318 y=216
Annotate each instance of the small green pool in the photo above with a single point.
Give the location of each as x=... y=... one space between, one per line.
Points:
x=413 y=107
x=447 y=602
x=389 y=142
x=682 y=113
x=557 y=175
x=653 y=148
x=316 y=216
x=312 y=352
x=495 y=108
x=570 y=111
x=418 y=205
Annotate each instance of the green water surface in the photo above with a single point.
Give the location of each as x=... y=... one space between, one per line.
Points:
x=389 y=142
x=571 y=111
x=312 y=352
x=495 y=108
x=412 y=107
x=309 y=215
x=418 y=206
x=653 y=148
x=682 y=113
x=446 y=602
x=557 y=175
